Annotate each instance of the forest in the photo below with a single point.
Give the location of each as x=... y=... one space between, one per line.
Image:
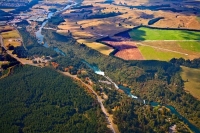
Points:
x=195 y=63
x=42 y=100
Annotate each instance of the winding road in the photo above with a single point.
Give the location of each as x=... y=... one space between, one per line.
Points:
x=109 y=117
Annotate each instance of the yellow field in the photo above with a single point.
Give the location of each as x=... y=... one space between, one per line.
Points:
x=104 y=49
x=10 y=34
x=193 y=84
x=12 y=42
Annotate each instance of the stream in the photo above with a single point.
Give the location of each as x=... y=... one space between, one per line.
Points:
x=127 y=91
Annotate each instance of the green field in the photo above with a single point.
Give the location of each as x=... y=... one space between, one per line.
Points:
x=198 y=18
x=150 y=53
x=144 y=33
x=193 y=84
x=192 y=46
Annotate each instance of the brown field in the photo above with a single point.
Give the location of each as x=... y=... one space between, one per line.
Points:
x=127 y=50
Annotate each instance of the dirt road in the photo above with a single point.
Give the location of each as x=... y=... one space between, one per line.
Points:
x=109 y=117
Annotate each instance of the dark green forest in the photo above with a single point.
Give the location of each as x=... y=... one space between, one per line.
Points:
x=42 y=100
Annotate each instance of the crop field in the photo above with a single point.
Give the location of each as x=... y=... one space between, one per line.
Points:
x=144 y=33
x=150 y=53
x=192 y=78
x=10 y=34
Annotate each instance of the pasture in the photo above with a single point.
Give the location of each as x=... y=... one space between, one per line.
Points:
x=192 y=46
x=188 y=49
x=191 y=77
x=150 y=53
x=144 y=33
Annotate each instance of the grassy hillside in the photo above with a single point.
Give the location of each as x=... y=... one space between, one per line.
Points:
x=192 y=78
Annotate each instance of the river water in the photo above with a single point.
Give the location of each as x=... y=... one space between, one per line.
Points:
x=128 y=92
x=39 y=35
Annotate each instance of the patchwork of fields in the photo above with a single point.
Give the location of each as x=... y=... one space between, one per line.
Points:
x=96 y=19
x=164 y=44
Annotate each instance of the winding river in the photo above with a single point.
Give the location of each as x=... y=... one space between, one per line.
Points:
x=39 y=35
x=128 y=92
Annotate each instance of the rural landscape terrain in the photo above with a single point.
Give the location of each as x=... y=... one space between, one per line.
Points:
x=106 y=66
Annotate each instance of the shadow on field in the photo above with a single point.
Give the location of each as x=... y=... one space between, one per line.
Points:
x=195 y=35
x=124 y=46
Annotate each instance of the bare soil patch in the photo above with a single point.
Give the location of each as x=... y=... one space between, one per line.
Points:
x=127 y=50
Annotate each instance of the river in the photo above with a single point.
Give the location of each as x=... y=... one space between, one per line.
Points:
x=128 y=92
x=39 y=35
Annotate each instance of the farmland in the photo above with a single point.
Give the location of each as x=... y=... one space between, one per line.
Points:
x=11 y=37
x=144 y=33
x=191 y=77
x=97 y=19
x=150 y=53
